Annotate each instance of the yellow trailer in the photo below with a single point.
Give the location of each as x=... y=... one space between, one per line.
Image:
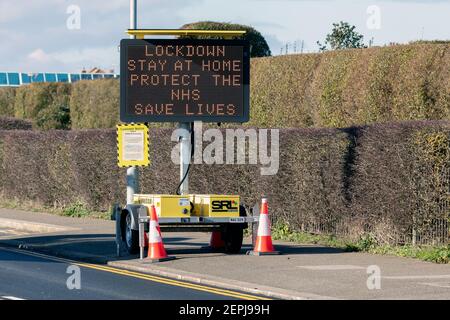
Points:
x=193 y=212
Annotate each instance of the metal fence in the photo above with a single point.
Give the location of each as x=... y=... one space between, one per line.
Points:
x=15 y=79
x=429 y=223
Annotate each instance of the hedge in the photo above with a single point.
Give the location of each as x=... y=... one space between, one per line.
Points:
x=352 y=87
x=7 y=98
x=391 y=180
x=95 y=104
x=45 y=104
x=333 y=89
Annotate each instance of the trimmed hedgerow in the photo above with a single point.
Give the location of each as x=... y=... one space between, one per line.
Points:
x=401 y=180
x=391 y=180
x=7 y=97
x=332 y=89
x=352 y=87
x=45 y=104
x=95 y=104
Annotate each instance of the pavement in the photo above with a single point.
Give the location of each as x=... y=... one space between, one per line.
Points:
x=301 y=272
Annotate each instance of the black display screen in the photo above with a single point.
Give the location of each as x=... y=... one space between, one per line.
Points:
x=184 y=80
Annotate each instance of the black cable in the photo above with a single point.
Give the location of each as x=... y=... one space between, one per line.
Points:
x=182 y=180
x=192 y=155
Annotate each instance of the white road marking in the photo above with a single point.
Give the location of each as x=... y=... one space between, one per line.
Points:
x=5 y=232
x=429 y=276
x=31 y=226
x=333 y=267
x=10 y=298
x=437 y=284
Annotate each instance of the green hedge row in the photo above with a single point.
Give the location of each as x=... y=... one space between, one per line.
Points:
x=387 y=179
x=45 y=104
x=332 y=89
x=7 y=99
x=352 y=87
x=95 y=104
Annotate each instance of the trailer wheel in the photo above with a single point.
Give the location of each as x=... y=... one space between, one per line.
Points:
x=243 y=213
x=233 y=236
x=130 y=236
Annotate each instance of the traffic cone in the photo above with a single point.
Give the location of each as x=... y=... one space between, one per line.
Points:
x=216 y=241
x=146 y=239
x=156 y=251
x=263 y=244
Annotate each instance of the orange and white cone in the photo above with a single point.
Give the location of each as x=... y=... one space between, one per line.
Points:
x=156 y=251
x=216 y=241
x=263 y=245
x=146 y=239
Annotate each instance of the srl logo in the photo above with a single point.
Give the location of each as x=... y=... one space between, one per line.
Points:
x=224 y=206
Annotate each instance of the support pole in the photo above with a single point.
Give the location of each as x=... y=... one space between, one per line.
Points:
x=132 y=183
x=132 y=172
x=185 y=155
x=133 y=16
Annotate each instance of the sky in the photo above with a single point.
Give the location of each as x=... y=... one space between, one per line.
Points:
x=69 y=35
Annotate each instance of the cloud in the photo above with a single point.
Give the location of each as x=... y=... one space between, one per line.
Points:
x=39 y=55
x=103 y=57
x=71 y=60
x=8 y=12
x=18 y=10
x=35 y=37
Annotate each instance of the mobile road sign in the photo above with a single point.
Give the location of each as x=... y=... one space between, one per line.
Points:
x=184 y=80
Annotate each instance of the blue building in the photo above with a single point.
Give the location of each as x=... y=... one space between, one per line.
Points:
x=15 y=79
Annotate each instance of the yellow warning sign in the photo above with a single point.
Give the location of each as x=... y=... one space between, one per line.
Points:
x=132 y=145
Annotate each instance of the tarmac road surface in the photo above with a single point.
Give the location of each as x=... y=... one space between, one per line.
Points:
x=27 y=275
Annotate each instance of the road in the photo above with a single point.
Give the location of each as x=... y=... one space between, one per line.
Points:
x=302 y=271
x=26 y=275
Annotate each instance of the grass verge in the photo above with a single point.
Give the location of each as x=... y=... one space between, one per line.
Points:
x=436 y=254
x=75 y=210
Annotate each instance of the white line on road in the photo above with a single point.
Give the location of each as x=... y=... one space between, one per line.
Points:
x=10 y=298
x=332 y=267
x=437 y=284
x=429 y=276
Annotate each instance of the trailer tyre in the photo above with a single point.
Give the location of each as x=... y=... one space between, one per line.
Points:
x=130 y=236
x=234 y=235
x=243 y=213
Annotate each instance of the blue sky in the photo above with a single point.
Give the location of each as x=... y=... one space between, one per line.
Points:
x=35 y=37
